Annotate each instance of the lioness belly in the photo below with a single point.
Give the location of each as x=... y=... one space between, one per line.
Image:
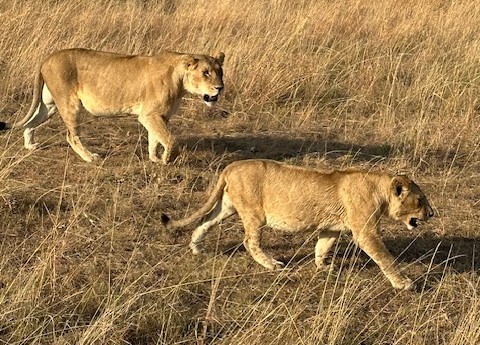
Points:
x=287 y=225
x=99 y=107
x=295 y=224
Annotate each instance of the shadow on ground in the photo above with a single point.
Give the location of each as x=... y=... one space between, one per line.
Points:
x=457 y=253
x=282 y=146
x=275 y=146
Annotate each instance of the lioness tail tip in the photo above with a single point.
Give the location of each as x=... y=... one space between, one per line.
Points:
x=165 y=219
x=3 y=126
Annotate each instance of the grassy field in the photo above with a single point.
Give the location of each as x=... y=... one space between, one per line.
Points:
x=374 y=84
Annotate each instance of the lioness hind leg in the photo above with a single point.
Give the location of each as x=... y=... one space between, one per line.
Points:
x=253 y=235
x=45 y=109
x=70 y=116
x=37 y=119
x=325 y=241
x=222 y=210
x=157 y=133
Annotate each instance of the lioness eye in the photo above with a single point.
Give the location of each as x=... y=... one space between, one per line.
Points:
x=206 y=73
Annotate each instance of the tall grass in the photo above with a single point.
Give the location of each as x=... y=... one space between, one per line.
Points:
x=378 y=83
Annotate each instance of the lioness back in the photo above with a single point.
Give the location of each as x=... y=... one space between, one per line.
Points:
x=267 y=185
x=110 y=83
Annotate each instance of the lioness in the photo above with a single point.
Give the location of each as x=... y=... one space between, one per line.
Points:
x=290 y=198
x=150 y=87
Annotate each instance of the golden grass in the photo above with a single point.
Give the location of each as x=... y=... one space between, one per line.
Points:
x=339 y=83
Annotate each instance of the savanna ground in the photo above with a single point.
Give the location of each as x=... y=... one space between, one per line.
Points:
x=376 y=84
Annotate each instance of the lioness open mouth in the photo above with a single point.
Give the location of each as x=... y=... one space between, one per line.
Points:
x=413 y=222
x=208 y=98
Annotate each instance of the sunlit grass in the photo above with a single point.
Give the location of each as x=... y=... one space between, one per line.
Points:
x=375 y=84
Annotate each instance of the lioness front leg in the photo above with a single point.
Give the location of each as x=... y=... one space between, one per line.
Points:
x=157 y=133
x=371 y=244
x=152 y=147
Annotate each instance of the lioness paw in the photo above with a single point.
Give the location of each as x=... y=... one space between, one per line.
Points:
x=278 y=265
x=404 y=284
x=196 y=248
x=321 y=263
x=32 y=147
x=154 y=158
x=92 y=158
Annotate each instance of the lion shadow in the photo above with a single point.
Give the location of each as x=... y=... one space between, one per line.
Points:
x=455 y=253
x=278 y=147
x=281 y=146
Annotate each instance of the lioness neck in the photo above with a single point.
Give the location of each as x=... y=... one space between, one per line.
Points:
x=375 y=184
x=175 y=74
x=382 y=192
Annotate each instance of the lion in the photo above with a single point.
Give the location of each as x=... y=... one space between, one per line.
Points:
x=292 y=199
x=104 y=83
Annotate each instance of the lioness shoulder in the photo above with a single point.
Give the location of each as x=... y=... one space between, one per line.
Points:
x=290 y=198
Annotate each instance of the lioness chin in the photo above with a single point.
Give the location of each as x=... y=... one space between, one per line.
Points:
x=290 y=198
x=149 y=87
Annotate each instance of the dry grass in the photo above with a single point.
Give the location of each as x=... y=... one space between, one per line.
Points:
x=339 y=83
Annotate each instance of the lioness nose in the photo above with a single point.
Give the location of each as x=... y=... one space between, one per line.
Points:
x=219 y=87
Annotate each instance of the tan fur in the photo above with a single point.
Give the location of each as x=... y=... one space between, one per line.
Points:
x=268 y=193
x=150 y=87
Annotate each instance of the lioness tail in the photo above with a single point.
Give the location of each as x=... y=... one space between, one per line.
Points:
x=214 y=197
x=37 y=95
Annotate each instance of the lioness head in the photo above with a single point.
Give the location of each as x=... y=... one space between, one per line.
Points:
x=408 y=203
x=204 y=76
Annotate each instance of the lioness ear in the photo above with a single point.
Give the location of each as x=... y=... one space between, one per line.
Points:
x=191 y=62
x=220 y=57
x=400 y=185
